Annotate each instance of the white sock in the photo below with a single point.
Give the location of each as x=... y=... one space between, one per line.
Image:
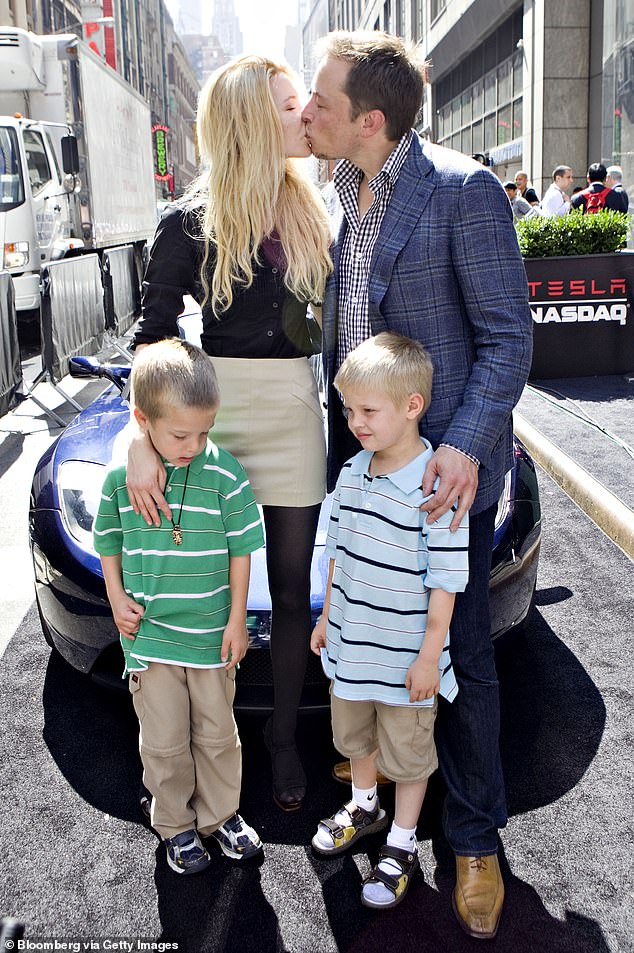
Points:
x=404 y=839
x=362 y=797
x=365 y=798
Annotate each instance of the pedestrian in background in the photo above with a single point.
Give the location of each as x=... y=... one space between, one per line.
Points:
x=526 y=191
x=384 y=633
x=426 y=248
x=184 y=632
x=519 y=205
x=556 y=200
x=614 y=179
x=250 y=243
x=598 y=195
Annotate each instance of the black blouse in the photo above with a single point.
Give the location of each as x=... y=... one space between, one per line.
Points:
x=264 y=320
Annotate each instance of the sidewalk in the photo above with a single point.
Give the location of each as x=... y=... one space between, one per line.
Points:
x=590 y=419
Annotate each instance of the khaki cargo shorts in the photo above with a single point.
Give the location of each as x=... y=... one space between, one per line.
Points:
x=404 y=736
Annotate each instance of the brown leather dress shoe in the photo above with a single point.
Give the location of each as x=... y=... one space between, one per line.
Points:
x=478 y=896
x=342 y=772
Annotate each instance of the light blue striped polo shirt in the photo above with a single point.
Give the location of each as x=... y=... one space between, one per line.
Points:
x=387 y=558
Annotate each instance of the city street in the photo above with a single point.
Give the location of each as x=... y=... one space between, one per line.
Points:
x=80 y=865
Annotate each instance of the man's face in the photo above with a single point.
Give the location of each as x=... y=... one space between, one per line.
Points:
x=564 y=181
x=330 y=129
x=521 y=181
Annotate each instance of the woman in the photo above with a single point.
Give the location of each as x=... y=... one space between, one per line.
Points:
x=250 y=243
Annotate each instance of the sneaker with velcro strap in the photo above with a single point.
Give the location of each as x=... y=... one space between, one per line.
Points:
x=236 y=839
x=186 y=854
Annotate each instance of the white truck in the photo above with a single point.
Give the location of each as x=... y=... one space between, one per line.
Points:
x=76 y=166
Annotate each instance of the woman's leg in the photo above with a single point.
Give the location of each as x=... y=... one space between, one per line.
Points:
x=290 y=540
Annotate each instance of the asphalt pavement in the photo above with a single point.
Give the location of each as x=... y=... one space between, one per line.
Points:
x=78 y=864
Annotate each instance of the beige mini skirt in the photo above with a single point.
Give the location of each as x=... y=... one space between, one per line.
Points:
x=271 y=420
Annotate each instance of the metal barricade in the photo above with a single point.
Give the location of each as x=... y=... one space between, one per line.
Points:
x=10 y=365
x=72 y=321
x=122 y=290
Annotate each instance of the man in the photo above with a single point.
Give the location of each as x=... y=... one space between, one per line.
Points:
x=556 y=200
x=598 y=195
x=519 y=205
x=527 y=191
x=614 y=180
x=426 y=247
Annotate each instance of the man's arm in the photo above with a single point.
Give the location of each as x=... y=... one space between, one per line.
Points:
x=490 y=272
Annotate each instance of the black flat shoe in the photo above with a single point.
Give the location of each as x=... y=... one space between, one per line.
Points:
x=289 y=780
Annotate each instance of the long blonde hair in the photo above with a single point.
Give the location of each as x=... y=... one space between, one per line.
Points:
x=248 y=189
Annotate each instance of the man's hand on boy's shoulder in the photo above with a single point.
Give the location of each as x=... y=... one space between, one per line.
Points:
x=422 y=679
x=235 y=643
x=458 y=480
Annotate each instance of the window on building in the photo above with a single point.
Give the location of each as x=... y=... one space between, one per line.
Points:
x=436 y=8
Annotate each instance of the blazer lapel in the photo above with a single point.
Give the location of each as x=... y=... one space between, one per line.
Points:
x=413 y=189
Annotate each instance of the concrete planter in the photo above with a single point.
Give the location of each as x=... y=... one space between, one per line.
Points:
x=583 y=315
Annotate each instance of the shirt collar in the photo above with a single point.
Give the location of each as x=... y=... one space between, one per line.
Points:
x=408 y=478
x=347 y=174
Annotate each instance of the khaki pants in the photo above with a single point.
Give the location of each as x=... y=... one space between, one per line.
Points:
x=189 y=745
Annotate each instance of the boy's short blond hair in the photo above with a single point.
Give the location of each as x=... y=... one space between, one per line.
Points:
x=390 y=363
x=173 y=373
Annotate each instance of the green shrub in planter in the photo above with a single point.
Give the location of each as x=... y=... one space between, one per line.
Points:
x=573 y=234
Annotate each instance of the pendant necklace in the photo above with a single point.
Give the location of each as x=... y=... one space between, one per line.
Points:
x=177 y=533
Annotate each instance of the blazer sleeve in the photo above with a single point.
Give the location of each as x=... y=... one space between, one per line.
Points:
x=172 y=271
x=493 y=285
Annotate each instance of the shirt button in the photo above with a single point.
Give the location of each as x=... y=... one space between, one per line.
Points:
x=274 y=271
x=359 y=256
x=275 y=304
x=269 y=334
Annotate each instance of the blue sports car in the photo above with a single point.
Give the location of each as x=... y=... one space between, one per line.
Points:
x=70 y=590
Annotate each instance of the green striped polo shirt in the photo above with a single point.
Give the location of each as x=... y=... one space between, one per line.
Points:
x=184 y=589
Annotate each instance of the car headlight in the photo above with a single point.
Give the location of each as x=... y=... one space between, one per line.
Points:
x=504 y=502
x=16 y=254
x=79 y=488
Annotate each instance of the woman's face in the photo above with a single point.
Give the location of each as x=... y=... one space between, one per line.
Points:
x=289 y=106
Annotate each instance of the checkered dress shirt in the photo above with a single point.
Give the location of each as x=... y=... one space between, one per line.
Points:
x=358 y=245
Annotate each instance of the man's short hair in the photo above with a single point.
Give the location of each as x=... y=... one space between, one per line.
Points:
x=173 y=373
x=597 y=172
x=560 y=170
x=385 y=74
x=616 y=172
x=390 y=363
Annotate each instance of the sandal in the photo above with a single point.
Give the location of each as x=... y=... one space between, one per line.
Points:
x=397 y=884
x=289 y=780
x=356 y=824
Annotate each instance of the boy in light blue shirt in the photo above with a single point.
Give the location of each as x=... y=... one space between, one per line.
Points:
x=384 y=632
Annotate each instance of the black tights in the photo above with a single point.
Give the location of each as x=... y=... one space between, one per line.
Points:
x=290 y=539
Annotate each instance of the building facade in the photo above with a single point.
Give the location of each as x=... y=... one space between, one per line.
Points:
x=531 y=84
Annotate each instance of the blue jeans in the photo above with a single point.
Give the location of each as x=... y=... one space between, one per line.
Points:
x=468 y=730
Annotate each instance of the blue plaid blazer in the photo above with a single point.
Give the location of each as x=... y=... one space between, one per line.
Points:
x=447 y=270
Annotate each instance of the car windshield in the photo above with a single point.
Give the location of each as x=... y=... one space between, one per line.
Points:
x=11 y=185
